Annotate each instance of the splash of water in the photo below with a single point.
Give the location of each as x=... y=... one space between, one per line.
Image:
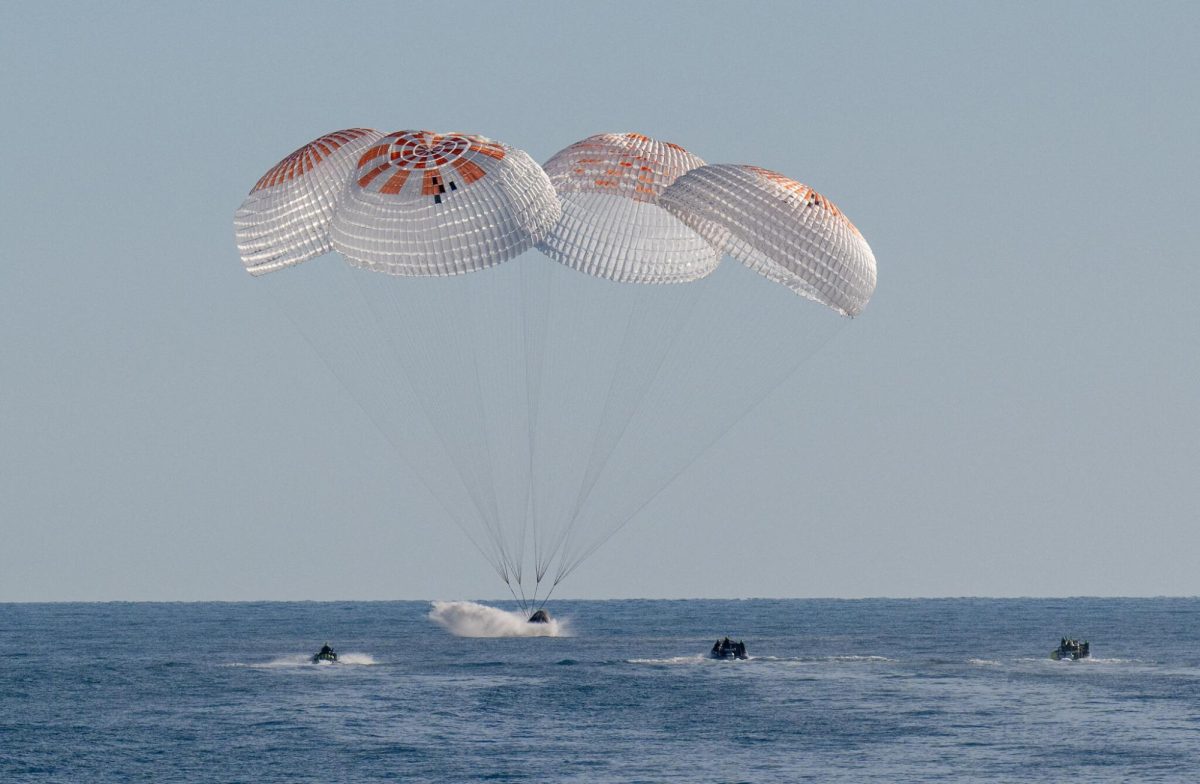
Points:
x=470 y=619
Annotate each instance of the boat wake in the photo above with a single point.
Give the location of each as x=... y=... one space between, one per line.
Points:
x=470 y=619
x=305 y=660
x=694 y=659
x=809 y=660
x=805 y=661
x=1090 y=661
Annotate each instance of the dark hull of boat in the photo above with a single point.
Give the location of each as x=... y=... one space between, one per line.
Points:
x=1074 y=650
x=1071 y=655
x=729 y=656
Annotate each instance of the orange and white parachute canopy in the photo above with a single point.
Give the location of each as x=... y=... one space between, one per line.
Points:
x=779 y=228
x=408 y=203
x=422 y=203
x=611 y=224
x=285 y=219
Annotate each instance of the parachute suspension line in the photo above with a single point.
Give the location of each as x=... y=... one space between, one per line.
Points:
x=661 y=328
x=546 y=598
x=676 y=317
x=657 y=321
x=568 y=304
x=521 y=588
x=546 y=273
x=615 y=359
x=736 y=337
x=563 y=533
x=709 y=336
x=567 y=295
x=418 y=368
x=520 y=600
x=385 y=432
x=523 y=511
x=444 y=411
x=534 y=381
x=584 y=486
x=480 y=293
x=569 y=566
x=533 y=386
x=543 y=465
x=498 y=559
x=591 y=357
x=364 y=328
x=473 y=310
x=479 y=402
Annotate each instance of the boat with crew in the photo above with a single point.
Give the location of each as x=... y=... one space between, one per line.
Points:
x=326 y=655
x=1072 y=649
x=728 y=649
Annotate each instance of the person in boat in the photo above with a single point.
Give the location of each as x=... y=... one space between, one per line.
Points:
x=727 y=648
x=1071 y=648
x=325 y=654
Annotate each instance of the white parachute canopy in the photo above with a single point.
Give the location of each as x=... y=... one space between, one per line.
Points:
x=779 y=228
x=543 y=408
x=285 y=219
x=611 y=225
x=422 y=203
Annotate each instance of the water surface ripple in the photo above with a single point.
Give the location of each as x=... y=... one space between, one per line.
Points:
x=835 y=691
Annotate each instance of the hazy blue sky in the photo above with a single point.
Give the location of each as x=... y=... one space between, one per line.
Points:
x=1016 y=413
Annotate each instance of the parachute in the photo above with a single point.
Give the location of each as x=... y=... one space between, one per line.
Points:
x=422 y=204
x=611 y=224
x=781 y=229
x=543 y=408
x=285 y=219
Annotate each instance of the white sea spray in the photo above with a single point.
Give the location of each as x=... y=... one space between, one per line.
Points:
x=471 y=619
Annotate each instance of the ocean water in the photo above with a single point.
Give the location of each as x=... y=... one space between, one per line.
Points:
x=835 y=691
